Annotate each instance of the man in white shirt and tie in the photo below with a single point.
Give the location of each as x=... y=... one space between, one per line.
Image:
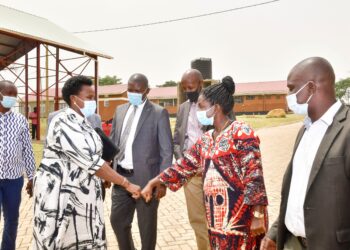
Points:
x=141 y=130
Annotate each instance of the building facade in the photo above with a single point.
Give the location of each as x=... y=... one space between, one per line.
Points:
x=250 y=98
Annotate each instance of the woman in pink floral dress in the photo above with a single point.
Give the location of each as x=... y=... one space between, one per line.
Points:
x=230 y=159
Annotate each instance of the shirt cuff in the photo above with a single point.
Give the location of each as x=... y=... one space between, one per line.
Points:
x=30 y=175
x=170 y=181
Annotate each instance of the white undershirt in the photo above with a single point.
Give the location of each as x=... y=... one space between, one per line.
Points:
x=302 y=165
x=127 y=162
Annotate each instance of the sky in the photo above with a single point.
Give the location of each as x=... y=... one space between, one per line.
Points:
x=255 y=44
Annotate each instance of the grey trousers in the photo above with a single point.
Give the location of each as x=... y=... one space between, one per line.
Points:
x=293 y=244
x=122 y=214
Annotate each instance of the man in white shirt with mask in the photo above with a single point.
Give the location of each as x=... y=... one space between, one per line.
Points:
x=314 y=210
x=141 y=130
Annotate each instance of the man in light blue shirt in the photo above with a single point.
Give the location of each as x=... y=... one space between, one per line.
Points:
x=16 y=157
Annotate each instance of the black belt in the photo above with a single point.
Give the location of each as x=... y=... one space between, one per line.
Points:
x=303 y=241
x=124 y=171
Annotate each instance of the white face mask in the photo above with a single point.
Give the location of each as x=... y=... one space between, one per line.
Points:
x=204 y=119
x=297 y=108
x=89 y=107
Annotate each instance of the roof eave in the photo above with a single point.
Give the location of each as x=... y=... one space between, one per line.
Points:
x=53 y=43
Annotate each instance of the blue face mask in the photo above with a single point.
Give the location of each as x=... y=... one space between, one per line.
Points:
x=8 y=101
x=135 y=98
x=204 y=119
x=89 y=108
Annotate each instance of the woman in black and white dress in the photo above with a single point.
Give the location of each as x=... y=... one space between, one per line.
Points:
x=68 y=206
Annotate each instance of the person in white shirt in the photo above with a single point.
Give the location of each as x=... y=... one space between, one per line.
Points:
x=141 y=131
x=16 y=158
x=314 y=210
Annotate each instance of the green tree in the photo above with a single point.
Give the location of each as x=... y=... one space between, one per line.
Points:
x=109 y=80
x=168 y=84
x=341 y=87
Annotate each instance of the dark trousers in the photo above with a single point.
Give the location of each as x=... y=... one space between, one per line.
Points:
x=122 y=214
x=34 y=126
x=10 y=199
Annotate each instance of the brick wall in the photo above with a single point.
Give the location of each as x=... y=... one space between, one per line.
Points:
x=259 y=103
x=171 y=109
x=243 y=104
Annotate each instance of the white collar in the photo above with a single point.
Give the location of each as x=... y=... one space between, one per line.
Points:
x=327 y=117
x=139 y=107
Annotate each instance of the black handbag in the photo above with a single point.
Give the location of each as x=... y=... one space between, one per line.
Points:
x=110 y=150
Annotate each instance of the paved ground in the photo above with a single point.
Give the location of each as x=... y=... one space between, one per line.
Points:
x=174 y=230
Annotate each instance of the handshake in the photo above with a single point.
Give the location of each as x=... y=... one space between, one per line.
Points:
x=153 y=188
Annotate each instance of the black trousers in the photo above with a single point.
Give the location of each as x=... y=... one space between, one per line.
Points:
x=34 y=126
x=122 y=214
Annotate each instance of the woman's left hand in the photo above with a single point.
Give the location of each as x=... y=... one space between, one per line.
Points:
x=258 y=226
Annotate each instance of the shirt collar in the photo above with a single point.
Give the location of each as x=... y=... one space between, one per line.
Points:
x=7 y=113
x=143 y=104
x=327 y=117
x=140 y=107
x=307 y=122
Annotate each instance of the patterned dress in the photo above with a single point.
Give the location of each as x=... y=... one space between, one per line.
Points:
x=68 y=207
x=233 y=183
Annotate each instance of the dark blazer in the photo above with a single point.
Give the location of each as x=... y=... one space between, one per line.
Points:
x=327 y=201
x=152 y=148
x=181 y=128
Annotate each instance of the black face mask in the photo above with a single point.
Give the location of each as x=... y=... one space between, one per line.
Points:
x=192 y=96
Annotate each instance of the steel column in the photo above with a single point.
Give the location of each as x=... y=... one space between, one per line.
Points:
x=57 y=78
x=26 y=85
x=96 y=85
x=38 y=79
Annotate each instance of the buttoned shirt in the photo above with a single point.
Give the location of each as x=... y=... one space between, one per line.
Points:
x=127 y=162
x=16 y=151
x=194 y=129
x=302 y=164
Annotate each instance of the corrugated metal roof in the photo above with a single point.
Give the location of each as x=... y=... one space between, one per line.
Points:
x=112 y=89
x=163 y=93
x=109 y=90
x=250 y=88
x=261 y=88
x=16 y=25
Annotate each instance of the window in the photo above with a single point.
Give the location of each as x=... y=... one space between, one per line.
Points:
x=238 y=99
x=250 y=97
x=268 y=96
x=106 y=103
x=278 y=97
x=167 y=102
x=260 y=97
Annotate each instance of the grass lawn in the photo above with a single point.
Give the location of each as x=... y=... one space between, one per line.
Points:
x=256 y=121
x=260 y=121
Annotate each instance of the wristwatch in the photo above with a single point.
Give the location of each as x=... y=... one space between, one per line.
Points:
x=258 y=215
